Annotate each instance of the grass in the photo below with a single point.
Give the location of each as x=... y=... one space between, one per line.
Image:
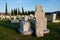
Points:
x=9 y=31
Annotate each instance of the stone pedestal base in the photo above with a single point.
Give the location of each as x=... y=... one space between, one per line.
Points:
x=25 y=28
x=40 y=34
x=25 y=32
x=46 y=31
x=56 y=21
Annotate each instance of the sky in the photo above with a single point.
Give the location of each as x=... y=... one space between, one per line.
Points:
x=47 y=5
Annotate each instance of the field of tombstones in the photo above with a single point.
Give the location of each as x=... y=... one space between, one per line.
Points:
x=9 y=31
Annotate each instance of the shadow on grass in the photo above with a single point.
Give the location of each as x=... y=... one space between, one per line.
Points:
x=9 y=26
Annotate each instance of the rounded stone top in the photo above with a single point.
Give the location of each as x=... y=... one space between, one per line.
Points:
x=39 y=8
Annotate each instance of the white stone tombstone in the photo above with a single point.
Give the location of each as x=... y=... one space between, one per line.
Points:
x=19 y=17
x=41 y=22
x=26 y=18
x=2 y=16
x=22 y=17
x=14 y=20
x=25 y=27
x=8 y=17
x=53 y=18
x=31 y=16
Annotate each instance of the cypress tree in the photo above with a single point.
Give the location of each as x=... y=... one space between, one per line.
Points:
x=19 y=13
x=6 y=9
x=22 y=11
x=12 y=12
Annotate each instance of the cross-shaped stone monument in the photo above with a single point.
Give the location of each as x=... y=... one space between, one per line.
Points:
x=41 y=22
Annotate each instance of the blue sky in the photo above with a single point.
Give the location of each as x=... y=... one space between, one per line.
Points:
x=47 y=5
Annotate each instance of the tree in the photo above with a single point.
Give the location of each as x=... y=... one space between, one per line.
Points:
x=6 y=9
x=12 y=12
x=15 y=11
x=19 y=13
x=26 y=13
x=22 y=11
x=32 y=12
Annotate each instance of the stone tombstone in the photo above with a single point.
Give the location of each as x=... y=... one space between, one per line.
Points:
x=25 y=27
x=19 y=17
x=53 y=18
x=8 y=17
x=22 y=17
x=41 y=22
x=31 y=16
x=14 y=17
x=14 y=20
x=26 y=17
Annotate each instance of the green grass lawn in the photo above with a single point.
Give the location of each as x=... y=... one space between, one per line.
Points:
x=9 y=31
